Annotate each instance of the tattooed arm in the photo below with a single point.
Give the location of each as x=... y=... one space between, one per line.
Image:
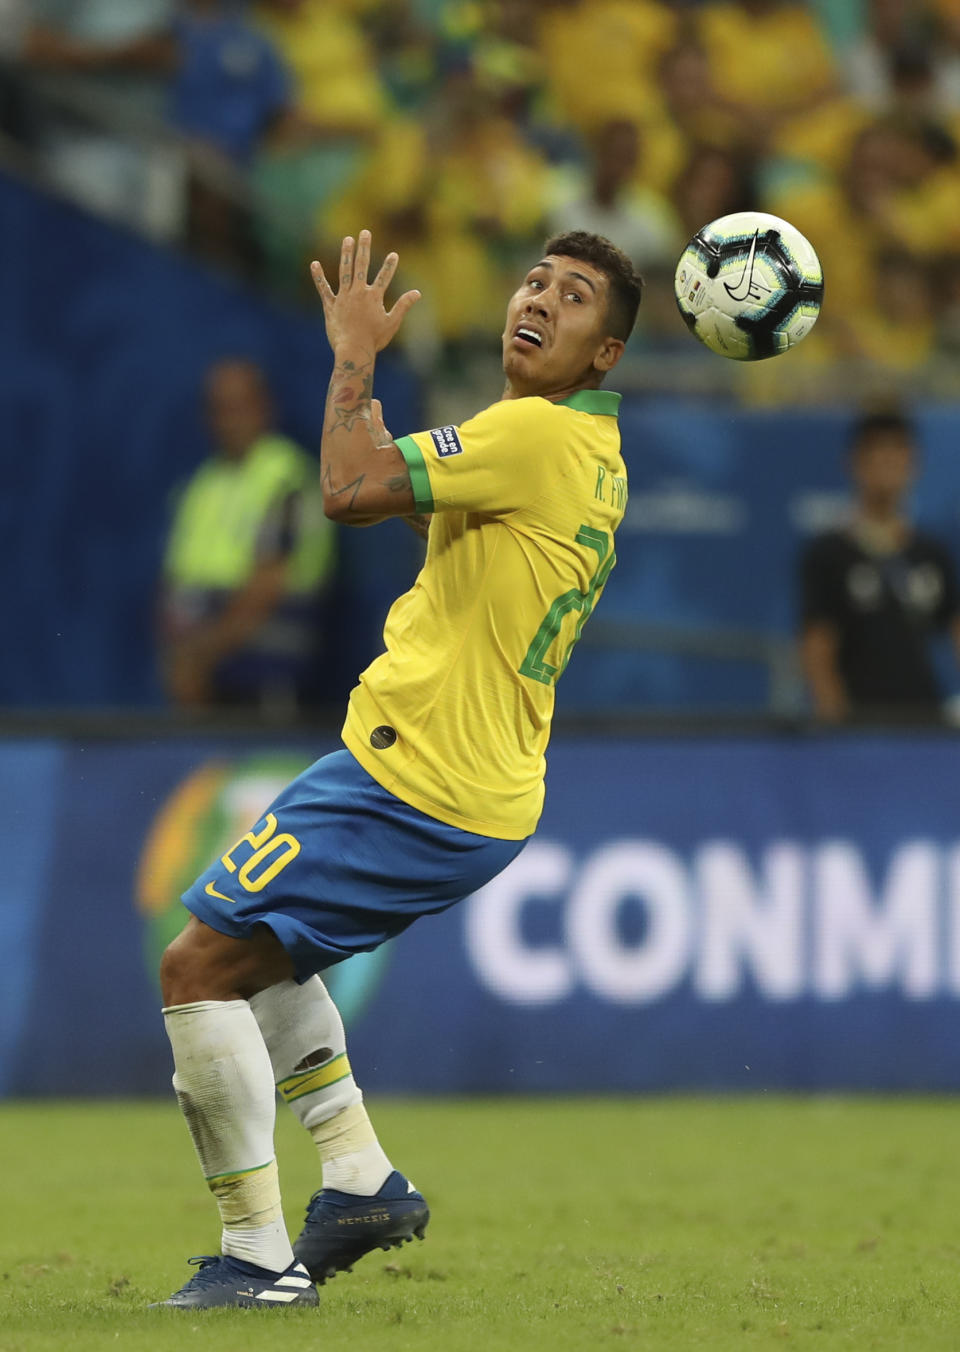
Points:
x=363 y=473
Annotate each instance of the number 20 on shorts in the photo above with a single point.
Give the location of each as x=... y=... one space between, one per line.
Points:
x=272 y=852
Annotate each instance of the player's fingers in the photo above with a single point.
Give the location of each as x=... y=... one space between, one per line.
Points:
x=346 y=262
x=406 y=302
x=385 y=276
x=361 y=264
x=324 y=289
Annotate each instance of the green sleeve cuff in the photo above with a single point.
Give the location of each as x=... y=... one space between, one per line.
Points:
x=419 y=478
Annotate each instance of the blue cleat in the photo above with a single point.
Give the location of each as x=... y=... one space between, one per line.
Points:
x=341 y=1227
x=221 y=1281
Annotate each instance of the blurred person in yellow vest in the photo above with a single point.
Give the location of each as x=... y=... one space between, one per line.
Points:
x=246 y=561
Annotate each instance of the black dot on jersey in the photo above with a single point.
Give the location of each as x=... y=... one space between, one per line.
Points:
x=383 y=737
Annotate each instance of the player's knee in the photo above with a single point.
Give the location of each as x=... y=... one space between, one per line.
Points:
x=193 y=967
x=202 y=964
x=180 y=971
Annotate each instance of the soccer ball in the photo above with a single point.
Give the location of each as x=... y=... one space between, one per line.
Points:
x=749 y=286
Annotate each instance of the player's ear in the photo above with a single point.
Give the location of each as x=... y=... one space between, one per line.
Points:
x=608 y=354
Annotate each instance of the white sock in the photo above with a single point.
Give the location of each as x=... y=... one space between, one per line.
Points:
x=265 y=1245
x=352 y=1158
x=303 y=1031
x=224 y=1084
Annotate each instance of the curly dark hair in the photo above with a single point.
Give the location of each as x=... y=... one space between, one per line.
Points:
x=626 y=284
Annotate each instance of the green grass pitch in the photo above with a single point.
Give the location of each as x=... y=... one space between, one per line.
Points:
x=668 y=1224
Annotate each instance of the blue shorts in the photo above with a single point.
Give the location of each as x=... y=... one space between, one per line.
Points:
x=336 y=865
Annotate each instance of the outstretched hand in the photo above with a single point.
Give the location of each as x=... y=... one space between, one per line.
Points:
x=356 y=312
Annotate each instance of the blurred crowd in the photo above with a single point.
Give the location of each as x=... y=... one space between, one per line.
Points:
x=462 y=131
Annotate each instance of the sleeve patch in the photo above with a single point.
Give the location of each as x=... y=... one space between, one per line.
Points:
x=446 y=442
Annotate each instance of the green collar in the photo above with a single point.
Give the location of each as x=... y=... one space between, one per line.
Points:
x=603 y=402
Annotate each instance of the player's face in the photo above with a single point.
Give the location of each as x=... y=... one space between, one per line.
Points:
x=556 y=338
x=237 y=406
x=883 y=469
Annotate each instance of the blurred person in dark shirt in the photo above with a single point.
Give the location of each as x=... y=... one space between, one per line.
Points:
x=875 y=591
x=247 y=559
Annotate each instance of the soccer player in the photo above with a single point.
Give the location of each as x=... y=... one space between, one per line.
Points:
x=440 y=783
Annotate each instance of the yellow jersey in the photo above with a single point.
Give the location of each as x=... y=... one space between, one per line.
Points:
x=454 y=717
